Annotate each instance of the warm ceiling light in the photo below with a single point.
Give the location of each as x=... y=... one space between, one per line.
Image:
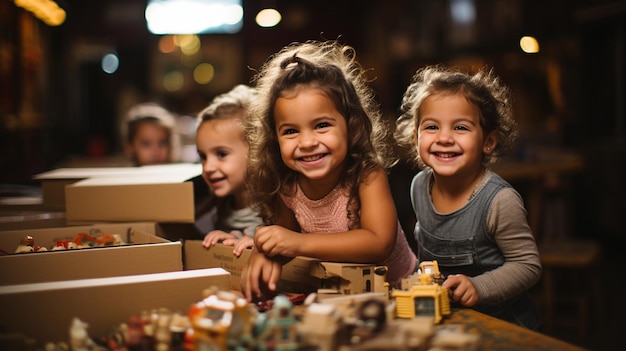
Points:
x=194 y=16
x=46 y=10
x=529 y=45
x=268 y=18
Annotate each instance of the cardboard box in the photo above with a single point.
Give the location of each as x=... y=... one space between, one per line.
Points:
x=44 y=311
x=28 y=217
x=195 y=256
x=148 y=253
x=167 y=193
x=53 y=182
x=300 y=275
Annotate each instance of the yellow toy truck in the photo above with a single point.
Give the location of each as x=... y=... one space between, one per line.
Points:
x=421 y=294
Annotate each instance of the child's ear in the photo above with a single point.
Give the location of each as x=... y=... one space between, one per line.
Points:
x=490 y=143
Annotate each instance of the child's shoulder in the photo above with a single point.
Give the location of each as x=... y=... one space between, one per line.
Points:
x=375 y=175
x=422 y=176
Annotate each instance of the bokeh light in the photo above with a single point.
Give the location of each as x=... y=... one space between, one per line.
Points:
x=204 y=73
x=268 y=18
x=529 y=45
x=110 y=63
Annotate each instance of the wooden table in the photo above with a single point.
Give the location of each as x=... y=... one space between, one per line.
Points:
x=496 y=334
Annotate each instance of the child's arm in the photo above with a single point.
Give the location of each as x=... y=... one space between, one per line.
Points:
x=522 y=267
x=373 y=242
x=262 y=271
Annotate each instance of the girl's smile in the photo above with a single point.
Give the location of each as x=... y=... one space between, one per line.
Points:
x=312 y=134
x=450 y=137
x=224 y=157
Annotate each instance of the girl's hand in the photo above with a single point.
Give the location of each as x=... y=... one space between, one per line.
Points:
x=244 y=243
x=463 y=290
x=216 y=236
x=260 y=273
x=275 y=240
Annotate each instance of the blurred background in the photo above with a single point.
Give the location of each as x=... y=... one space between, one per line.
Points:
x=70 y=69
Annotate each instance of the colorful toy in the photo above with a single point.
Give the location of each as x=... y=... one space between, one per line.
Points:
x=221 y=321
x=361 y=322
x=421 y=294
x=278 y=330
x=82 y=240
x=27 y=244
x=79 y=339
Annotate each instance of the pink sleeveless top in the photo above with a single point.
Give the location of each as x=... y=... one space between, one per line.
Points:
x=330 y=214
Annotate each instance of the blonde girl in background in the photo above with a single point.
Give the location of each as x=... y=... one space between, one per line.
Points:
x=318 y=168
x=223 y=151
x=150 y=135
x=468 y=218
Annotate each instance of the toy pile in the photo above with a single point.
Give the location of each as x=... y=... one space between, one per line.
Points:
x=80 y=241
x=224 y=321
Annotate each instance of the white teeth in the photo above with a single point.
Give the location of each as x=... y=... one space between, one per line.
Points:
x=445 y=155
x=311 y=158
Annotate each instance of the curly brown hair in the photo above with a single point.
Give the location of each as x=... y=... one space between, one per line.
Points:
x=482 y=89
x=332 y=68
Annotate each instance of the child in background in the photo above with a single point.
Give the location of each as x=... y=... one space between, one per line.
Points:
x=468 y=218
x=150 y=135
x=223 y=151
x=317 y=170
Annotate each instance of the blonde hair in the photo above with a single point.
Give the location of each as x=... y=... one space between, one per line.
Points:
x=229 y=104
x=233 y=104
x=482 y=89
x=332 y=68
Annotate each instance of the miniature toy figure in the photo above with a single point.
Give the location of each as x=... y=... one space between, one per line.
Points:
x=135 y=332
x=179 y=325
x=221 y=321
x=361 y=322
x=27 y=244
x=280 y=331
x=116 y=338
x=162 y=332
x=64 y=244
x=82 y=240
x=79 y=339
x=320 y=327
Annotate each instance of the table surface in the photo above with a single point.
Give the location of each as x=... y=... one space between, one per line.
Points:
x=496 y=334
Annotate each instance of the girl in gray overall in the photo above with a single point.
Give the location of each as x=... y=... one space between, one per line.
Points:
x=470 y=220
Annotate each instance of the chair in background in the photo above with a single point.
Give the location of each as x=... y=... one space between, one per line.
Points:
x=570 y=280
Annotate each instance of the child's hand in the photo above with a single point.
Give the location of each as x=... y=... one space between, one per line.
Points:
x=244 y=243
x=216 y=236
x=260 y=272
x=463 y=290
x=275 y=240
